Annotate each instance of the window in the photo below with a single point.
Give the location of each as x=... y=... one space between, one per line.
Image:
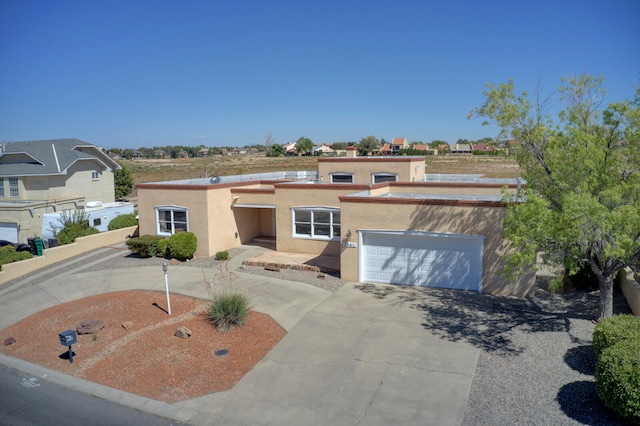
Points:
x=1 y=187
x=341 y=178
x=384 y=177
x=171 y=220
x=318 y=223
x=97 y=222
x=13 y=188
x=95 y=175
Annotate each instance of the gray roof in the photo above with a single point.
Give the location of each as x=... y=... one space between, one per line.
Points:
x=49 y=157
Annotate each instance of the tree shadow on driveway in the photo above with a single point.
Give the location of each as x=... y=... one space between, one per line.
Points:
x=485 y=320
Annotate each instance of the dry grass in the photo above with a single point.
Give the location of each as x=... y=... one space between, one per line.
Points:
x=144 y=170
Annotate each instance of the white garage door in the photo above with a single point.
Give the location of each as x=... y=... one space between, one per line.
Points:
x=9 y=232
x=421 y=258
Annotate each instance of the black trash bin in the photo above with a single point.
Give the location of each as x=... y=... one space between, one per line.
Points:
x=32 y=245
x=53 y=242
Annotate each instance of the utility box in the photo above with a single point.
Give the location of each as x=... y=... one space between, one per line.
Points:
x=67 y=338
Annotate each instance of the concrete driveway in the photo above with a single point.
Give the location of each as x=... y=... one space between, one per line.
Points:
x=349 y=358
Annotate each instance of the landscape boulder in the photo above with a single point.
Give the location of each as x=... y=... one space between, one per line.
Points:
x=182 y=332
x=90 y=326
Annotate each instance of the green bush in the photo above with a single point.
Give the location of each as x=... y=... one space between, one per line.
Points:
x=123 y=221
x=614 y=329
x=222 y=255
x=162 y=247
x=182 y=245
x=145 y=245
x=618 y=379
x=8 y=254
x=228 y=309
x=74 y=224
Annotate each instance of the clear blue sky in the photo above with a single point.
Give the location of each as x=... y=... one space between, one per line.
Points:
x=146 y=73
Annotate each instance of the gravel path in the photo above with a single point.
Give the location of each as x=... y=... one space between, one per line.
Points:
x=536 y=364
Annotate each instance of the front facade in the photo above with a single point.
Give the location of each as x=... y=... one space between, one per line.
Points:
x=39 y=177
x=383 y=217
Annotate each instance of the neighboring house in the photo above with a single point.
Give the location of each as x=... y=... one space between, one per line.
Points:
x=46 y=176
x=425 y=148
x=483 y=148
x=397 y=144
x=386 y=220
x=461 y=148
x=203 y=152
x=385 y=149
x=322 y=149
x=160 y=153
x=290 y=148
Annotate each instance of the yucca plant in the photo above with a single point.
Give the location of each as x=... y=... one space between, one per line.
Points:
x=229 y=307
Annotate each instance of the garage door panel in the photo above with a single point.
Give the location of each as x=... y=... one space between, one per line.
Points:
x=424 y=260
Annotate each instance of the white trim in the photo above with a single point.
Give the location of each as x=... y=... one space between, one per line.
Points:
x=172 y=209
x=331 y=175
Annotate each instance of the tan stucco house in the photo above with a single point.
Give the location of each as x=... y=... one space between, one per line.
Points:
x=46 y=176
x=386 y=220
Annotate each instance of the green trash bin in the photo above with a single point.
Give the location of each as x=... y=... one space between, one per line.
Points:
x=39 y=246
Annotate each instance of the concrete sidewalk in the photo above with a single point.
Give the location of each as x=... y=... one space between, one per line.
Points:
x=348 y=358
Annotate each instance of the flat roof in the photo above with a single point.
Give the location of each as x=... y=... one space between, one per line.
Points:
x=284 y=175
x=470 y=178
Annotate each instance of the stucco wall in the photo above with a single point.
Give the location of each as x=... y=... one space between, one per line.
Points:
x=302 y=195
x=30 y=224
x=408 y=169
x=486 y=221
x=630 y=288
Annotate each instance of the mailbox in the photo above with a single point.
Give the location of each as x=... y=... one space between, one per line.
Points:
x=67 y=338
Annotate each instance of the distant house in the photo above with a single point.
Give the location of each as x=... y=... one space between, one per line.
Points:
x=136 y=154
x=397 y=144
x=45 y=176
x=483 y=148
x=322 y=149
x=425 y=148
x=461 y=148
x=290 y=148
x=385 y=149
x=160 y=153
x=203 y=152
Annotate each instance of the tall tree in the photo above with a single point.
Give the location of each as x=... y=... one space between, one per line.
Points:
x=123 y=182
x=303 y=145
x=367 y=145
x=581 y=203
x=269 y=140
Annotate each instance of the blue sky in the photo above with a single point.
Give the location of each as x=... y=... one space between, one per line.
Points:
x=217 y=73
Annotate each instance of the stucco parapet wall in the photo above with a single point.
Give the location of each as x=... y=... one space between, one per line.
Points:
x=53 y=255
x=393 y=159
x=470 y=185
x=341 y=186
x=631 y=289
x=420 y=201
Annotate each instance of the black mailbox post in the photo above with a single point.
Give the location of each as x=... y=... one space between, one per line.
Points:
x=68 y=338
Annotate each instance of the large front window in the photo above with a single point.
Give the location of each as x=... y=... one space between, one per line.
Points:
x=317 y=223
x=13 y=188
x=171 y=220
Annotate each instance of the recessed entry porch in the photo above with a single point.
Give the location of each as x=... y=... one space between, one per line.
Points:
x=296 y=261
x=256 y=224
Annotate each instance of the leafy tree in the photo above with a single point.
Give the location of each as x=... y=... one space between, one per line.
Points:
x=339 y=145
x=582 y=199
x=303 y=145
x=276 y=151
x=367 y=145
x=123 y=182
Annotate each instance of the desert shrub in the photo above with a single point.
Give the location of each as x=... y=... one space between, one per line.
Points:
x=614 y=329
x=228 y=309
x=222 y=255
x=618 y=378
x=8 y=254
x=145 y=245
x=162 y=247
x=123 y=221
x=182 y=245
x=229 y=306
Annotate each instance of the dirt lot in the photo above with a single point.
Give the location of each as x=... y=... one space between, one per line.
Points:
x=144 y=170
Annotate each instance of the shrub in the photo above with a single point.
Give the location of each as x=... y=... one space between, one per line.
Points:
x=145 y=245
x=123 y=221
x=162 y=247
x=222 y=255
x=8 y=254
x=614 y=329
x=182 y=245
x=618 y=378
x=74 y=224
x=228 y=309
